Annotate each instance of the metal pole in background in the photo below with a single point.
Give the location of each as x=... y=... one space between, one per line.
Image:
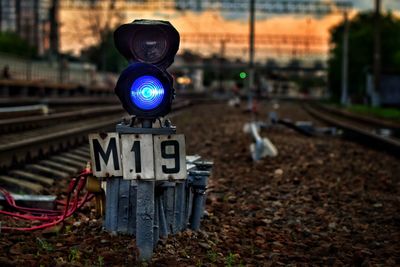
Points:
x=251 y=49
x=54 y=28
x=377 y=50
x=28 y=74
x=221 y=62
x=345 y=61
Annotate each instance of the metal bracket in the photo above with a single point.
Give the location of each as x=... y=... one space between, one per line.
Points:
x=126 y=129
x=32 y=201
x=203 y=165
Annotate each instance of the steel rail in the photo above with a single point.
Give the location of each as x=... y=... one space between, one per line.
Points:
x=59 y=101
x=356 y=133
x=359 y=118
x=47 y=84
x=20 y=151
x=10 y=125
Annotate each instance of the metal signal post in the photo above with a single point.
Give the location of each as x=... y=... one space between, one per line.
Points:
x=145 y=168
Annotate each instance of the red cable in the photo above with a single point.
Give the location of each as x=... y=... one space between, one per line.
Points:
x=42 y=226
x=11 y=202
x=30 y=217
x=26 y=217
x=74 y=189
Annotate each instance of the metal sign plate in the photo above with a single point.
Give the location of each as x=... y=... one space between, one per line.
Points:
x=170 y=157
x=105 y=154
x=137 y=156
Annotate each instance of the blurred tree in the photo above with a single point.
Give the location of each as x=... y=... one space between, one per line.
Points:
x=190 y=57
x=295 y=63
x=11 y=43
x=361 y=52
x=96 y=30
x=307 y=83
x=271 y=63
x=105 y=55
x=318 y=64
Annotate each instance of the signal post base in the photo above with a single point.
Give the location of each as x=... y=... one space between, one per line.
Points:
x=149 y=210
x=148 y=201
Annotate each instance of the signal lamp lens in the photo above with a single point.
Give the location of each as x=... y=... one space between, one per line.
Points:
x=243 y=75
x=147 y=92
x=149 y=46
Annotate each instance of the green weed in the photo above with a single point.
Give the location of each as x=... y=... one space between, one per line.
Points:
x=68 y=229
x=74 y=254
x=44 y=245
x=212 y=255
x=386 y=113
x=100 y=261
x=230 y=260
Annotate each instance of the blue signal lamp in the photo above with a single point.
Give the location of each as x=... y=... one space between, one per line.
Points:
x=145 y=91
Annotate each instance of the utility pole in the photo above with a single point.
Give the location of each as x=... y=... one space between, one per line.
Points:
x=345 y=61
x=377 y=51
x=221 y=62
x=251 y=48
x=54 y=28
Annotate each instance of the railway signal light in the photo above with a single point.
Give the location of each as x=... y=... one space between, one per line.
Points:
x=145 y=88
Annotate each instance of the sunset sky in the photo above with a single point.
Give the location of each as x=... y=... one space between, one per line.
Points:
x=76 y=22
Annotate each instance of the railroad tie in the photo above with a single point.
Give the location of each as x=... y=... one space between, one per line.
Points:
x=84 y=149
x=80 y=153
x=32 y=177
x=61 y=167
x=24 y=185
x=46 y=170
x=70 y=162
x=75 y=157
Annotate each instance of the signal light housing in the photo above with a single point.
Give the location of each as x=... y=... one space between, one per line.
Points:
x=149 y=41
x=145 y=88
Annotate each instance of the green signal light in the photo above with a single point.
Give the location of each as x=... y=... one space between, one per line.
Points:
x=243 y=75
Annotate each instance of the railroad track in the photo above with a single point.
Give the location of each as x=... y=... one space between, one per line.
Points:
x=65 y=101
x=19 y=124
x=367 y=131
x=47 y=88
x=31 y=162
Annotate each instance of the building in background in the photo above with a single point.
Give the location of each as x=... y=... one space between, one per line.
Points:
x=8 y=15
x=33 y=20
